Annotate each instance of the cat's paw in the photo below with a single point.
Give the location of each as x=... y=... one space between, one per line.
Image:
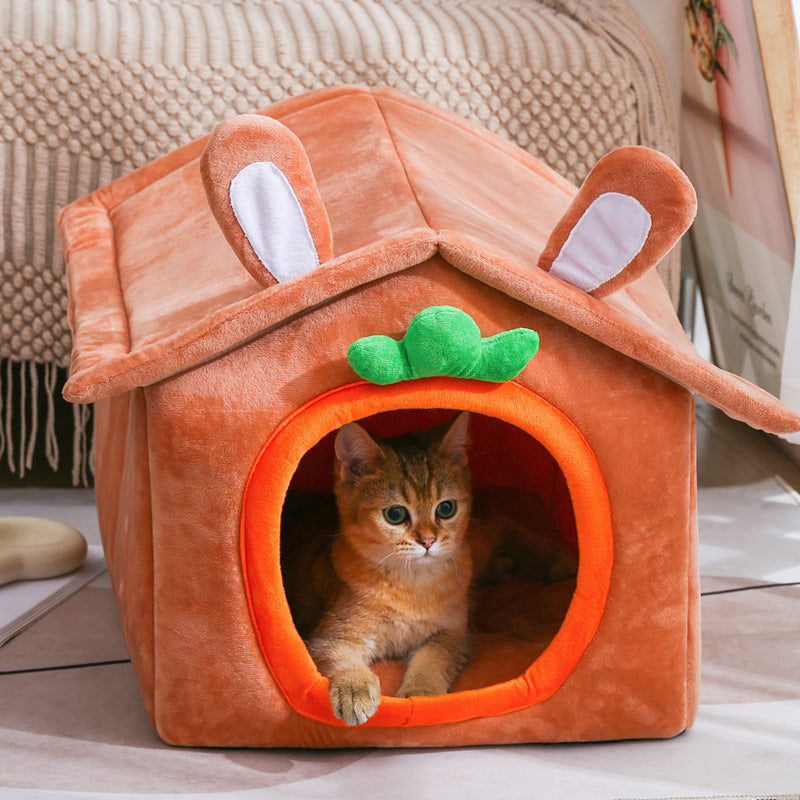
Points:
x=423 y=686
x=542 y=559
x=355 y=698
x=500 y=569
x=558 y=564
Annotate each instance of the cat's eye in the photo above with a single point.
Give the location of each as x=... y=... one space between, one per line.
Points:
x=446 y=509
x=395 y=515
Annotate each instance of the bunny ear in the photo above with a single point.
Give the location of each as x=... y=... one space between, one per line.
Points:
x=632 y=208
x=263 y=194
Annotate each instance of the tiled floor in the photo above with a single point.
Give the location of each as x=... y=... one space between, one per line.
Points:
x=66 y=732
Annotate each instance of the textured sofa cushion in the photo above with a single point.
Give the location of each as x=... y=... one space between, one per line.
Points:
x=91 y=91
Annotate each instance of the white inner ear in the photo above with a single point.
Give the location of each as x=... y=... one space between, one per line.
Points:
x=603 y=242
x=273 y=221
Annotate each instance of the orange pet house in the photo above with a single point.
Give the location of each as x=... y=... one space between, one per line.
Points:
x=215 y=295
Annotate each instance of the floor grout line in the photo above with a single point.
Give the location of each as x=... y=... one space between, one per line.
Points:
x=32 y=670
x=749 y=588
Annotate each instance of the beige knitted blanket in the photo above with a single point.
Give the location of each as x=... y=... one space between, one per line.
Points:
x=91 y=89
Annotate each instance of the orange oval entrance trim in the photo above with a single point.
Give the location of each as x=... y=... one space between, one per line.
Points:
x=285 y=653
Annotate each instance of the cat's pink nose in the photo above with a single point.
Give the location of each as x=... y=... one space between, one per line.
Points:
x=427 y=543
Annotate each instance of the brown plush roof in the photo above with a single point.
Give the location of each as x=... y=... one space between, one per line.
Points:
x=155 y=288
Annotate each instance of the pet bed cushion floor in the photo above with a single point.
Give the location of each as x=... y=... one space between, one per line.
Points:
x=514 y=623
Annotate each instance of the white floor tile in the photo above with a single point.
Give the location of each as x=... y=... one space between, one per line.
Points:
x=750 y=532
x=742 y=749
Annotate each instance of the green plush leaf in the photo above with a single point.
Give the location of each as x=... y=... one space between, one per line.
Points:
x=379 y=359
x=442 y=340
x=506 y=354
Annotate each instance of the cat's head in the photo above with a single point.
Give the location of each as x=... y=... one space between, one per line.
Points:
x=405 y=501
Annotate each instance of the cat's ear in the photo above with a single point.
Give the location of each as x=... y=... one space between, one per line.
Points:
x=261 y=189
x=357 y=453
x=455 y=441
x=631 y=210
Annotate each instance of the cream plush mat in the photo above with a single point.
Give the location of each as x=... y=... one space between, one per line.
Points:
x=23 y=603
x=77 y=732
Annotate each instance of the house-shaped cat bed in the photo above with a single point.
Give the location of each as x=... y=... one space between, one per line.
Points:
x=215 y=345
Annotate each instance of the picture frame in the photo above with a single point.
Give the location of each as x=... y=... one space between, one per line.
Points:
x=739 y=143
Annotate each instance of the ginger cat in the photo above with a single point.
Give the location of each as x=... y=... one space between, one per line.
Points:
x=394 y=580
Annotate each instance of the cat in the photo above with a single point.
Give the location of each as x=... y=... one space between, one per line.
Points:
x=394 y=580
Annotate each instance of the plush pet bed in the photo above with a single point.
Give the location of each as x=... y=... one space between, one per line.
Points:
x=357 y=254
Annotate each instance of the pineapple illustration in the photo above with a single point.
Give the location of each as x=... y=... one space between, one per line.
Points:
x=709 y=36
